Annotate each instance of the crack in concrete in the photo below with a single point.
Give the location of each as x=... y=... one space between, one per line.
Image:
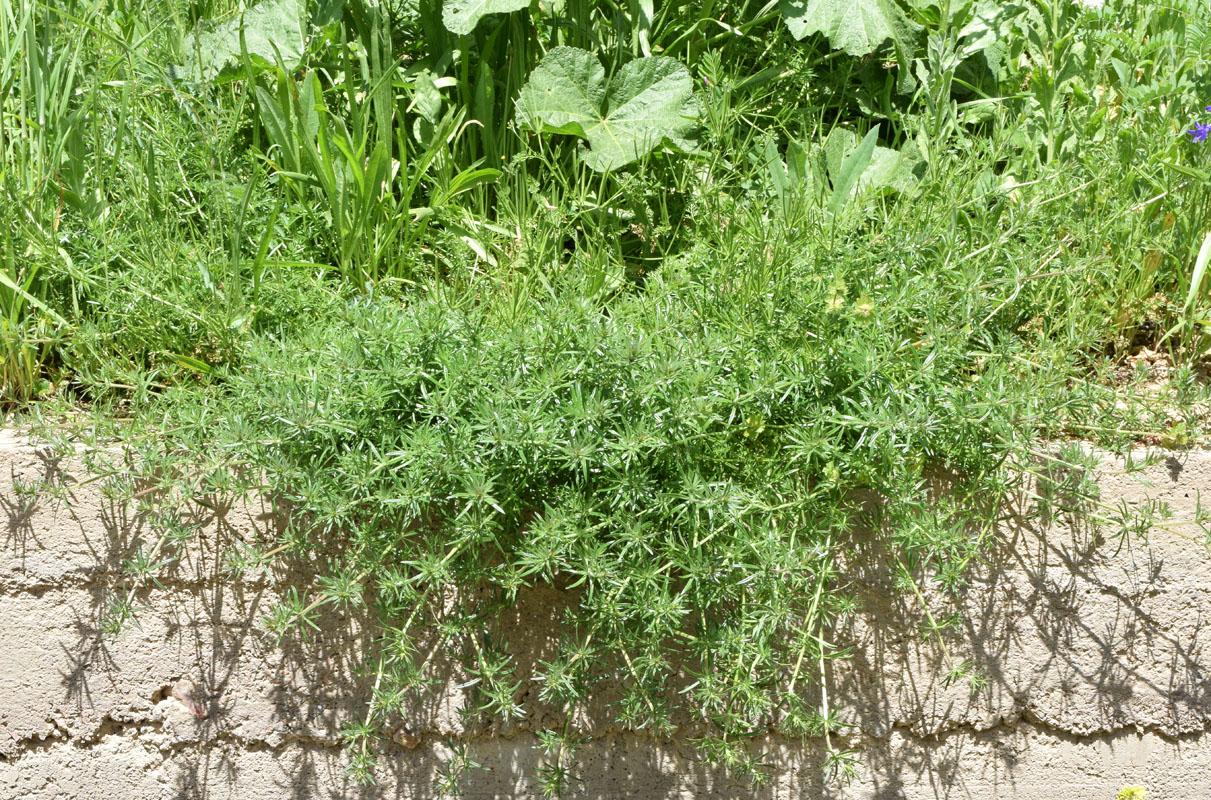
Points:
x=110 y=726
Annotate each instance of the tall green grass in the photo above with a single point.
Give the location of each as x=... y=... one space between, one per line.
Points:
x=43 y=151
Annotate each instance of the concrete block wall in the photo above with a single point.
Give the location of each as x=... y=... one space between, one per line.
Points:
x=1095 y=659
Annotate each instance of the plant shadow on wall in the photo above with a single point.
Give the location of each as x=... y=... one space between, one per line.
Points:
x=1063 y=627
x=198 y=621
x=1051 y=607
x=184 y=670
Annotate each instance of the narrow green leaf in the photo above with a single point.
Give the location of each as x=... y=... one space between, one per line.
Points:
x=189 y=362
x=278 y=128
x=470 y=178
x=851 y=169
x=1200 y=271
x=31 y=299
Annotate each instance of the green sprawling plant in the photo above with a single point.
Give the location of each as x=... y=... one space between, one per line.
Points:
x=661 y=306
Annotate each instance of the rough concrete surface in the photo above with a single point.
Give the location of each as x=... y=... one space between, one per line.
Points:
x=1092 y=654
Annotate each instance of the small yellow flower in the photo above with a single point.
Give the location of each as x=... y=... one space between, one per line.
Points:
x=836 y=295
x=754 y=426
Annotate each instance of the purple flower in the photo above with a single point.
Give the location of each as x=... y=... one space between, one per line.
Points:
x=1200 y=132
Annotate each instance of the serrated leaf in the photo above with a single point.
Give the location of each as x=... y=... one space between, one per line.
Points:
x=649 y=102
x=461 y=16
x=858 y=27
x=272 y=29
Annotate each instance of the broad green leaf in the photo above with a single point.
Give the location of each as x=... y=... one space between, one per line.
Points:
x=327 y=11
x=426 y=97
x=649 y=101
x=272 y=29
x=988 y=34
x=852 y=167
x=888 y=169
x=461 y=16
x=884 y=169
x=856 y=26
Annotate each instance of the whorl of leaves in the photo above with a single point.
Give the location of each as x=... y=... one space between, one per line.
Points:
x=681 y=461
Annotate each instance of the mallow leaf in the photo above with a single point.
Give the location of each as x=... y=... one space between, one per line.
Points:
x=858 y=27
x=649 y=102
x=272 y=29
x=989 y=34
x=461 y=16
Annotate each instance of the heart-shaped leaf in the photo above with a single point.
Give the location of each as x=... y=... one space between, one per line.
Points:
x=856 y=26
x=461 y=16
x=272 y=29
x=649 y=102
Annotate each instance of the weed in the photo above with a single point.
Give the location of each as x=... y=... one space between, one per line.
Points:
x=632 y=301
